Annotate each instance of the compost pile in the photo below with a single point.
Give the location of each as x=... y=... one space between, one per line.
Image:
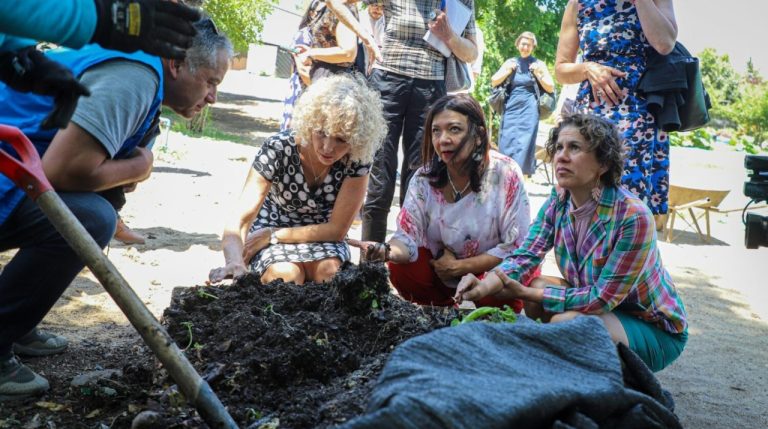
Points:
x=303 y=356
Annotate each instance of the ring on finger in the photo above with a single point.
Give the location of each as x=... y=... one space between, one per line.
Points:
x=600 y=93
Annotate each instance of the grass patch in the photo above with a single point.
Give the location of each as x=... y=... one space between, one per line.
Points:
x=179 y=124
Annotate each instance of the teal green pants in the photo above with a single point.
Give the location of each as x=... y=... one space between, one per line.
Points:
x=655 y=346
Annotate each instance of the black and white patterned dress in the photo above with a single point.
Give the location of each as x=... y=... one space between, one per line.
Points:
x=291 y=202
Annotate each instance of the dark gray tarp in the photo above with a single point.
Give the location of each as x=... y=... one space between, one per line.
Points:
x=527 y=375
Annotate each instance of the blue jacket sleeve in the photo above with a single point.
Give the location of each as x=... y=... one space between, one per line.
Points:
x=69 y=23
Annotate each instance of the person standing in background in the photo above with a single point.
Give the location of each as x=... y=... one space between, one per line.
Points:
x=410 y=77
x=299 y=80
x=520 y=123
x=614 y=36
x=372 y=21
x=477 y=66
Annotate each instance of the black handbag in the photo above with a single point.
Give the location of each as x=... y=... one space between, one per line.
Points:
x=674 y=91
x=498 y=98
x=547 y=101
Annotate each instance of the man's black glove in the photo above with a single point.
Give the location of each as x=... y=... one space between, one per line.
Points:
x=28 y=70
x=157 y=27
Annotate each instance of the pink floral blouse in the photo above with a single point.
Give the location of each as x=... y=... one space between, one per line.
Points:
x=494 y=221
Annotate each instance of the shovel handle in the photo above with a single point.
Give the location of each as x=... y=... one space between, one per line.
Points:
x=27 y=172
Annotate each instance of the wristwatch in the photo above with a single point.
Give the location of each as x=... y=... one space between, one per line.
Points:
x=272 y=237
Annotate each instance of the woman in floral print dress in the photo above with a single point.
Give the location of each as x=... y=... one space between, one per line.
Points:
x=465 y=211
x=614 y=36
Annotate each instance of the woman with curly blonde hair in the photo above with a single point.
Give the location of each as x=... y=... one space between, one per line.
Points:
x=305 y=187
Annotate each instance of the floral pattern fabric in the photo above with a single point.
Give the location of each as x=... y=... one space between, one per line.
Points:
x=610 y=34
x=295 y=84
x=493 y=221
x=323 y=28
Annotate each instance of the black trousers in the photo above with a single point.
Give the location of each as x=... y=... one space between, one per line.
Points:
x=406 y=102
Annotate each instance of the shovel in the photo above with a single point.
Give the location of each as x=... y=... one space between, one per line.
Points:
x=28 y=175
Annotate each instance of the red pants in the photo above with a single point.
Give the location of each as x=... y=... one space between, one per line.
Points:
x=417 y=282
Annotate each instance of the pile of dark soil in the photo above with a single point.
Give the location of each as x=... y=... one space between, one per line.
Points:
x=306 y=355
x=277 y=355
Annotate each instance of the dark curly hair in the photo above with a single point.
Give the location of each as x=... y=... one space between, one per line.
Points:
x=434 y=169
x=603 y=139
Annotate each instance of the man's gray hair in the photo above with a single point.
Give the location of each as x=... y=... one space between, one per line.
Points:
x=207 y=45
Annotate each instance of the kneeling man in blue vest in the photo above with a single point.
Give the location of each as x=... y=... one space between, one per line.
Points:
x=90 y=162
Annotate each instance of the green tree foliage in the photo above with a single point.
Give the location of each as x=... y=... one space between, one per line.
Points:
x=241 y=20
x=502 y=21
x=750 y=113
x=753 y=75
x=720 y=80
x=739 y=102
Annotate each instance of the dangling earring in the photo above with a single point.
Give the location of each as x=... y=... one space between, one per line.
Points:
x=597 y=190
x=477 y=156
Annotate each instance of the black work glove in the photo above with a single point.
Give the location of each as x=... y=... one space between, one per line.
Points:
x=28 y=70
x=157 y=27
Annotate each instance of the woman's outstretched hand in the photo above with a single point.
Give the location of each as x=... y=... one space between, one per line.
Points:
x=370 y=250
x=603 y=81
x=471 y=288
x=233 y=270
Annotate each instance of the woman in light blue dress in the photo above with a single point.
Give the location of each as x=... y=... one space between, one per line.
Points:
x=520 y=122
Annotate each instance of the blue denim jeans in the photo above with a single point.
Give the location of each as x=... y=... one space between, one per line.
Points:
x=45 y=265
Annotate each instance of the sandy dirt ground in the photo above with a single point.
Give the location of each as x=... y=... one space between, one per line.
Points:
x=721 y=380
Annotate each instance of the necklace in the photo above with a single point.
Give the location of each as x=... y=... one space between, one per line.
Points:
x=312 y=169
x=456 y=193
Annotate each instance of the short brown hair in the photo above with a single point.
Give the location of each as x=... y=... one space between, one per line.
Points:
x=602 y=137
x=527 y=35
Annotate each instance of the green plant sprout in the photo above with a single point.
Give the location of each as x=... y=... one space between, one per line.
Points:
x=188 y=325
x=203 y=294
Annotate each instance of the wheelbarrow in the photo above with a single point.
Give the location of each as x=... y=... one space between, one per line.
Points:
x=27 y=174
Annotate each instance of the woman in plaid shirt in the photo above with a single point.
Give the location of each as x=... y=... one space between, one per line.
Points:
x=604 y=241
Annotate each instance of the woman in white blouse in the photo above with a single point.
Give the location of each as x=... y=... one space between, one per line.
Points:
x=466 y=209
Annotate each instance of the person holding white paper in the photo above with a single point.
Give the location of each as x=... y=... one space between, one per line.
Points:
x=410 y=77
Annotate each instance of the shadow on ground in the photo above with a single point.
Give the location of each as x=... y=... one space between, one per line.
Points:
x=690 y=238
x=173 y=170
x=719 y=385
x=237 y=115
x=174 y=240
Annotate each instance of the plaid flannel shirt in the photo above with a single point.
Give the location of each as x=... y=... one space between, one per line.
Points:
x=405 y=51
x=620 y=268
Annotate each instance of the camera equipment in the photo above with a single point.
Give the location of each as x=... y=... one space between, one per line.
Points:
x=756 y=188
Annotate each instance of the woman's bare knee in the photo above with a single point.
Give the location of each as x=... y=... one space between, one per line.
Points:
x=325 y=269
x=615 y=328
x=287 y=271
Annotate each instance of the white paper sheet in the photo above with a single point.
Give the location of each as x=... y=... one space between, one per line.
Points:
x=458 y=17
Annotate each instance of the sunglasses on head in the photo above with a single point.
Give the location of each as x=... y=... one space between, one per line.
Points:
x=208 y=24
